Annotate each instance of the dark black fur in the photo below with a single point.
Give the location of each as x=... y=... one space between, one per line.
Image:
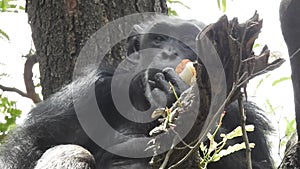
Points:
x=54 y=122
x=260 y=154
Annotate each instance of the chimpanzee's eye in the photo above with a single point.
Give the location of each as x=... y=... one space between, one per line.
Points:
x=158 y=39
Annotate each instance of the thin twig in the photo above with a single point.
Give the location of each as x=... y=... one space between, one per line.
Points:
x=287 y=152
x=195 y=148
x=182 y=141
x=168 y=155
x=245 y=136
x=297 y=51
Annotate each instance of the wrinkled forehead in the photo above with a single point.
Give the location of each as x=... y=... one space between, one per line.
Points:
x=174 y=28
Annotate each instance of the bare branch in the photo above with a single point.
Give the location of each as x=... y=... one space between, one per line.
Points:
x=30 y=88
x=13 y=89
x=245 y=136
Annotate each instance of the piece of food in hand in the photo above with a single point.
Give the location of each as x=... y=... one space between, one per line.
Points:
x=186 y=71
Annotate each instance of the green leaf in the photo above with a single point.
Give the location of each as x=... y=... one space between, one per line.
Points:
x=219 y=4
x=10 y=113
x=22 y=8
x=282 y=79
x=172 y=12
x=178 y=2
x=256 y=45
x=4 y=4
x=261 y=82
x=10 y=6
x=290 y=127
x=3 y=34
x=223 y=6
x=270 y=106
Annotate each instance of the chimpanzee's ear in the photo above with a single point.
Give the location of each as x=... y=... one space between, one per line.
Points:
x=134 y=39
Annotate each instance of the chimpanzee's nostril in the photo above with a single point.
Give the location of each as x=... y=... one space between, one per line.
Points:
x=170 y=54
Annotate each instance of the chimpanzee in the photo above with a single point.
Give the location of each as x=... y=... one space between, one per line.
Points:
x=52 y=137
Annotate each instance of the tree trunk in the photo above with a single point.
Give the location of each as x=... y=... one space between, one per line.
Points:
x=290 y=25
x=61 y=28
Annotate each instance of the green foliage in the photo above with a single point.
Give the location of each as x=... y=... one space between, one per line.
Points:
x=290 y=124
x=261 y=81
x=216 y=150
x=3 y=35
x=289 y=131
x=9 y=113
x=256 y=45
x=10 y=6
x=178 y=2
x=290 y=127
x=270 y=107
x=172 y=11
x=222 y=5
x=8 y=110
x=282 y=79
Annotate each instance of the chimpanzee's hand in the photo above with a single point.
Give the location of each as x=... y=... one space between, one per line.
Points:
x=162 y=85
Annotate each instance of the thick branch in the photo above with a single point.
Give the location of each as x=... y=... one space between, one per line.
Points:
x=30 y=88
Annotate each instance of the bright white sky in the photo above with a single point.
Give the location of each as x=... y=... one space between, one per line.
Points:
x=280 y=96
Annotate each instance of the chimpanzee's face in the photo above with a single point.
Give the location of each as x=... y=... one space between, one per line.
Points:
x=173 y=41
x=157 y=46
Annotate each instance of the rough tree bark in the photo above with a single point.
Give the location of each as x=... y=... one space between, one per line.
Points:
x=60 y=29
x=290 y=25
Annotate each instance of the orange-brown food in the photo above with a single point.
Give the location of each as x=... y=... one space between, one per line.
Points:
x=186 y=71
x=181 y=65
